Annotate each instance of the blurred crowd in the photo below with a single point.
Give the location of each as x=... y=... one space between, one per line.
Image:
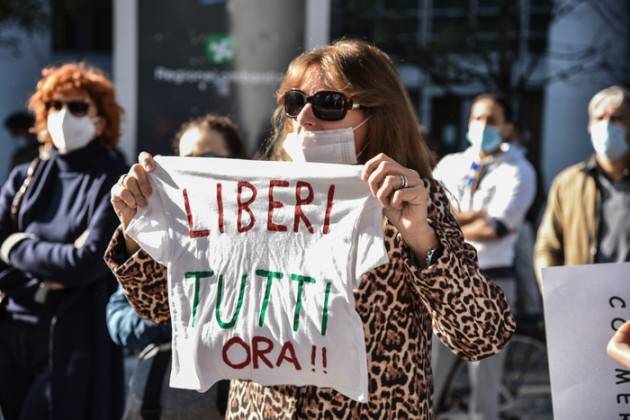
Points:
x=66 y=325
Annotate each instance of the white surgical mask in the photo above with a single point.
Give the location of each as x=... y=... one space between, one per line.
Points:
x=484 y=137
x=68 y=132
x=609 y=139
x=327 y=146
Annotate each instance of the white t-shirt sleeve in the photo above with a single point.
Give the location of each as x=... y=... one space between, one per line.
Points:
x=514 y=195
x=440 y=170
x=150 y=226
x=370 y=249
x=448 y=173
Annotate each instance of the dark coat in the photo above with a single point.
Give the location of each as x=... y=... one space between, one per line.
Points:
x=86 y=367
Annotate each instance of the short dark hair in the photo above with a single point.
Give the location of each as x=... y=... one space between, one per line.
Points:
x=19 y=121
x=223 y=125
x=499 y=99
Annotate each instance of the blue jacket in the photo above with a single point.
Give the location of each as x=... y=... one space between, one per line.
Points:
x=128 y=330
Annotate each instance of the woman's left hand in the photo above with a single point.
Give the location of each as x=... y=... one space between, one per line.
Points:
x=619 y=346
x=406 y=208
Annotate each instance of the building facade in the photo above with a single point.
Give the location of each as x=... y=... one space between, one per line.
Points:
x=557 y=57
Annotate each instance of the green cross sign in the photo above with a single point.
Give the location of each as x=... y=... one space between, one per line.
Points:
x=220 y=48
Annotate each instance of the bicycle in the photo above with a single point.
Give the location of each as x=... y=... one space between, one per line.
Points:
x=525 y=391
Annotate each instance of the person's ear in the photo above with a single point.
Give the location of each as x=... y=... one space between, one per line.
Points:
x=507 y=131
x=99 y=125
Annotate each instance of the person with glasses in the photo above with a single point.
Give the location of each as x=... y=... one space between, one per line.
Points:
x=56 y=358
x=345 y=103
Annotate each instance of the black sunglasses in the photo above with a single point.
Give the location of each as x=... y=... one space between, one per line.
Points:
x=328 y=105
x=77 y=108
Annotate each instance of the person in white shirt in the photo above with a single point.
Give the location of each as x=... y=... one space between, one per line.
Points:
x=491 y=185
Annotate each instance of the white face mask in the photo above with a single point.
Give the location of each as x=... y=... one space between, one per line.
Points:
x=485 y=138
x=609 y=139
x=327 y=146
x=68 y=132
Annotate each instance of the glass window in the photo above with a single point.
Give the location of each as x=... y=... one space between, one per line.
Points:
x=390 y=24
x=79 y=25
x=450 y=4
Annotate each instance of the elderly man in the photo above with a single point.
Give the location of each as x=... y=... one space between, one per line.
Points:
x=586 y=220
x=492 y=186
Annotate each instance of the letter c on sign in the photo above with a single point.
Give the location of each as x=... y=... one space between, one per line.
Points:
x=612 y=300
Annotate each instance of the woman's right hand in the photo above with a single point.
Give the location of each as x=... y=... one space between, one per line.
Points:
x=133 y=189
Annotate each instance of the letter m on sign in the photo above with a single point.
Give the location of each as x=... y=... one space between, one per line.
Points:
x=622 y=376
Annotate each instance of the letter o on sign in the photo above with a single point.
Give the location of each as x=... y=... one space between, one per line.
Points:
x=231 y=343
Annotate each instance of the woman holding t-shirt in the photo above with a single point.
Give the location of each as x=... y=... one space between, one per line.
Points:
x=432 y=281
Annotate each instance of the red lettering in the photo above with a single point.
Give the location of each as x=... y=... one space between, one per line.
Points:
x=329 y=204
x=291 y=358
x=220 y=207
x=299 y=201
x=192 y=233
x=273 y=204
x=226 y=347
x=245 y=206
x=258 y=352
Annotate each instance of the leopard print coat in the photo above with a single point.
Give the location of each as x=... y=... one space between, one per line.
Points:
x=401 y=305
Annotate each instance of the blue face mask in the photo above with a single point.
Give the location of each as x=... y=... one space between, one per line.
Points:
x=609 y=139
x=486 y=138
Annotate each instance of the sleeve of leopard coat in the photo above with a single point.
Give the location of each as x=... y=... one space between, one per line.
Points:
x=470 y=314
x=142 y=278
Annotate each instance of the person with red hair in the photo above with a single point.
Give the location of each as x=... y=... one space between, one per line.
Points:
x=56 y=358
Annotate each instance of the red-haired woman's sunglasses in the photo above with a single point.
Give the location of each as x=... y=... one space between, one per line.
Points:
x=328 y=105
x=77 y=108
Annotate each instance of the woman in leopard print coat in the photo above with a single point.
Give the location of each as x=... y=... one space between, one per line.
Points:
x=431 y=284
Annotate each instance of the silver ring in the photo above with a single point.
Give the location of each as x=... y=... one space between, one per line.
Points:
x=404 y=182
x=122 y=179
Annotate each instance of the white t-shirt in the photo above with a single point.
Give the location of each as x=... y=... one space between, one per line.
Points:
x=506 y=192
x=260 y=283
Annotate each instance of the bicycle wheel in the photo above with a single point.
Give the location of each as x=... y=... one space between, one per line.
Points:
x=525 y=389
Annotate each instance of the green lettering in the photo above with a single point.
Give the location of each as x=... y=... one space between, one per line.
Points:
x=325 y=314
x=239 y=303
x=265 y=303
x=197 y=275
x=298 y=305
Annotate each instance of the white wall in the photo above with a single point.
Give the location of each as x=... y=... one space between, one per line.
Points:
x=317 y=24
x=125 y=63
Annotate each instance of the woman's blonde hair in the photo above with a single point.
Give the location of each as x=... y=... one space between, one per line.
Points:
x=72 y=77
x=367 y=75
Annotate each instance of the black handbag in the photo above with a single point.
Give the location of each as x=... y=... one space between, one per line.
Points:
x=150 y=398
x=10 y=277
x=19 y=195
x=146 y=383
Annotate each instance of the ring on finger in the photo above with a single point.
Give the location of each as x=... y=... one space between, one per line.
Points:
x=404 y=182
x=121 y=180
